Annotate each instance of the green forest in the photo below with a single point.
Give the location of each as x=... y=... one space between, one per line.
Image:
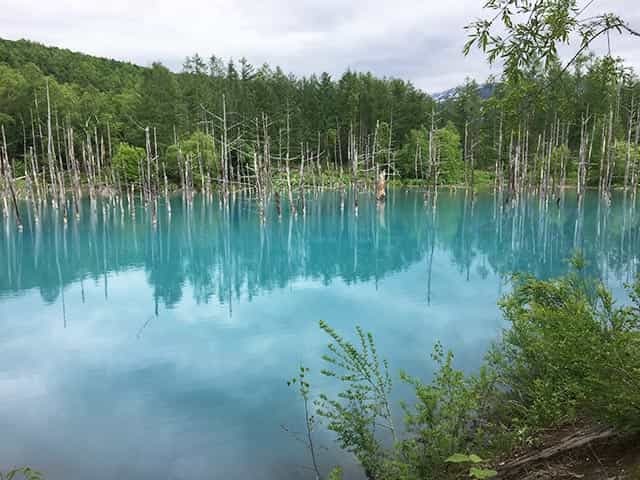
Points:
x=544 y=129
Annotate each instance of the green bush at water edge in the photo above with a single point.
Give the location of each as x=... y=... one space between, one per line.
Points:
x=570 y=353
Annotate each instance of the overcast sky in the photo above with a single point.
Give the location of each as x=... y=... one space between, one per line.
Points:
x=417 y=40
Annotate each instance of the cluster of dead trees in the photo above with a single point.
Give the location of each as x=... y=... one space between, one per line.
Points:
x=61 y=165
x=543 y=164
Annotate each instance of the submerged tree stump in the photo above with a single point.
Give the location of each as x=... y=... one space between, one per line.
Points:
x=381 y=187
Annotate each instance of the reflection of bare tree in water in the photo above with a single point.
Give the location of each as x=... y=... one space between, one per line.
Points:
x=226 y=278
x=379 y=223
x=354 y=229
x=56 y=242
x=10 y=255
x=464 y=245
x=77 y=249
x=223 y=252
x=105 y=243
x=578 y=225
x=431 y=241
x=629 y=237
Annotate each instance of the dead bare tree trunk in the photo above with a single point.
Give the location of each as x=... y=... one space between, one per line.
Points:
x=150 y=193
x=50 y=152
x=381 y=187
x=498 y=173
x=303 y=206
x=8 y=175
x=292 y=204
x=627 y=167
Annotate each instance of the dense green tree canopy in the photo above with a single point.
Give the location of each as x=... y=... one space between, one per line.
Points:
x=126 y=160
x=482 y=126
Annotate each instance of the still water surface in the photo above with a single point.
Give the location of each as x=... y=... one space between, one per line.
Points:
x=134 y=352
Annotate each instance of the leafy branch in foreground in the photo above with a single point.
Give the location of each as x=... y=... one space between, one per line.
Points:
x=362 y=408
x=525 y=33
x=450 y=415
x=446 y=418
x=310 y=420
x=26 y=473
x=475 y=471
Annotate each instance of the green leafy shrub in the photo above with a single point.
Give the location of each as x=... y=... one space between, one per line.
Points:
x=570 y=352
x=483 y=178
x=414 y=157
x=475 y=470
x=199 y=148
x=126 y=162
x=362 y=408
x=447 y=416
x=450 y=155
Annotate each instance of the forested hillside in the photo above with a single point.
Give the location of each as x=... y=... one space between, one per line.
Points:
x=129 y=98
x=71 y=67
x=543 y=129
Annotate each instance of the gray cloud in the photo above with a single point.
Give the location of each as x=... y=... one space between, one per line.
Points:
x=420 y=41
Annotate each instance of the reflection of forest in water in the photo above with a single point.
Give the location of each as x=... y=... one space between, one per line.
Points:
x=225 y=254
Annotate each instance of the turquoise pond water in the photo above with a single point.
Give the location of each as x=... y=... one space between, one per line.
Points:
x=133 y=352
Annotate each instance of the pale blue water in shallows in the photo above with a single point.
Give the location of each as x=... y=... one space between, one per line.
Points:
x=133 y=352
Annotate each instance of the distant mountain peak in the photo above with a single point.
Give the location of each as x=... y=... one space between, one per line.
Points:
x=485 y=91
x=445 y=94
